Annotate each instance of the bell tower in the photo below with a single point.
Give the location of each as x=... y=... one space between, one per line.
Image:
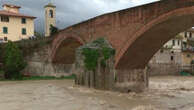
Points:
x=50 y=18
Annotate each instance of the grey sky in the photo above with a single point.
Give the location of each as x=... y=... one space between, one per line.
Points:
x=70 y=12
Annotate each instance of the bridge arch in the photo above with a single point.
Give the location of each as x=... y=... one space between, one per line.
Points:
x=63 y=48
x=138 y=49
x=136 y=33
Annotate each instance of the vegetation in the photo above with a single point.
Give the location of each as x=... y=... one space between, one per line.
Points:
x=192 y=62
x=1 y=72
x=53 y=30
x=13 y=61
x=94 y=51
x=91 y=58
x=38 y=35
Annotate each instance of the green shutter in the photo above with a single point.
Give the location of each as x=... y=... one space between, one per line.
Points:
x=5 y=30
x=23 y=31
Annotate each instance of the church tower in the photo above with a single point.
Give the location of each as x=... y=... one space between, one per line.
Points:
x=50 y=18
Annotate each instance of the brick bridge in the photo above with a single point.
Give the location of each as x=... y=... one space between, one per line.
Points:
x=136 y=33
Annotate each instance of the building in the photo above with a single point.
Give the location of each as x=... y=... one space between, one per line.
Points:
x=175 y=56
x=175 y=44
x=188 y=58
x=15 y=26
x=188 y=52
x=50 y=18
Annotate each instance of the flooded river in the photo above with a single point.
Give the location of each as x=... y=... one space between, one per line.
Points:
x=165 y=93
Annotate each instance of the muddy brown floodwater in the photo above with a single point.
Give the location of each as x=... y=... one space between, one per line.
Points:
x=165 y=93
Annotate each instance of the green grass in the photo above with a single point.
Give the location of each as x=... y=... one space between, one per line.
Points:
x=42 y=78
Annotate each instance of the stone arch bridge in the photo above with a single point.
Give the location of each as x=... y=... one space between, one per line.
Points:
x=136 y=33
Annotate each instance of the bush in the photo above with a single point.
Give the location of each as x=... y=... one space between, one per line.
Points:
x=53 y=30
x=94 y=50
x=13 y=61
x=2 y=73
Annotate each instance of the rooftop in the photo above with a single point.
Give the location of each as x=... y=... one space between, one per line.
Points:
x=8 y=13
x=50 y=5
x=12 y=6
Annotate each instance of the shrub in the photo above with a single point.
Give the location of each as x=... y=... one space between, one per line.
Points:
x=13 y=61
x=91 y=58
x=53 y=30
x=2 y=73
x=95 y=50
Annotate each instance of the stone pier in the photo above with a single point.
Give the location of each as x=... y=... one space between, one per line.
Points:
x=135 y=80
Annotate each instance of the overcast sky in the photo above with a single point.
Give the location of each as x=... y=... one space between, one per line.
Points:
x=70 y=12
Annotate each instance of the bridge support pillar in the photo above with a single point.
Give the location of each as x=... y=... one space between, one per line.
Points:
x=135 y=80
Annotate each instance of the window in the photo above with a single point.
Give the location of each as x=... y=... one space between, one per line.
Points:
x=178 y=42
x=23 y=20
x=23 y=31
x=161 y=51
x=171 y=58
x=190 y=35
x=5 y=30
x=173 y=42
x=51 y=13
x=4 y=19
x=5 y=38
x=185 y=34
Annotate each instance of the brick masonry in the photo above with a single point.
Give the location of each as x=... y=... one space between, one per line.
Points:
x=136 y=33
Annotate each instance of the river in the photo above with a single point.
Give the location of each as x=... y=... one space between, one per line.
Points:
x=164 y=93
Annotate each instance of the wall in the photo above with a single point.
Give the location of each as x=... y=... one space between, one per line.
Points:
x=164 y=69
x=15 y=29
x=187 y=58
x=164 y=56
x=162 y=64
x=176 y=46
x=39 y=64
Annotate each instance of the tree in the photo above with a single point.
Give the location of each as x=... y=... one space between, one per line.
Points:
x=53 y=30
x=13 y=61
x=38 y=34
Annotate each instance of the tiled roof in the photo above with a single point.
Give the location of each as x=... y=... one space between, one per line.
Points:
x=7 y=13
x=10 y=5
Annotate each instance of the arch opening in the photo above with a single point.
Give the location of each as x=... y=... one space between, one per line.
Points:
x=138 y=53
x=65 y=53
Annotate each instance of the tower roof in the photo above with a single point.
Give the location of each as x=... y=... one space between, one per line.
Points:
x=50 y=5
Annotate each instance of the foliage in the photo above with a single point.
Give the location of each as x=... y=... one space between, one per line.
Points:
x=107 y=53
x=192 y=62
x=53 y=30
x=91 y=58
x=13 y=61
x=100 y=49
x=38 y=35
x=1 y=72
